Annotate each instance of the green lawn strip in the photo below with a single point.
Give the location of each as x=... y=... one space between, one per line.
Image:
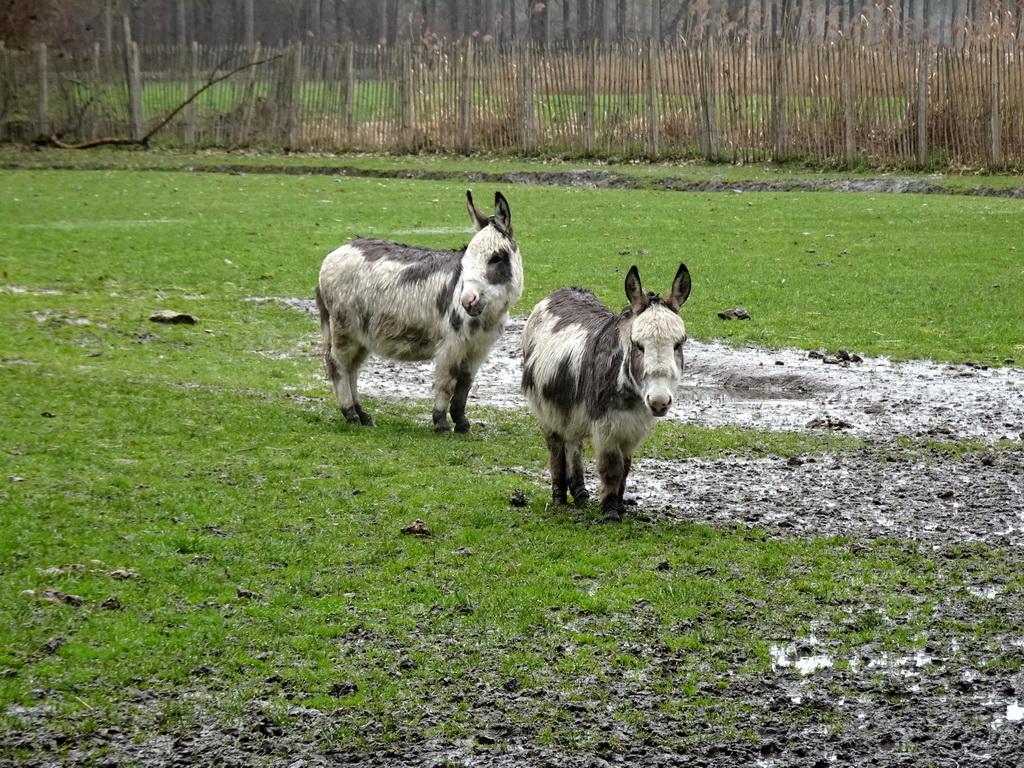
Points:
x=898 y=275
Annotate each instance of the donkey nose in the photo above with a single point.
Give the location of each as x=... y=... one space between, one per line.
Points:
x=659 y=404
x=471 y=303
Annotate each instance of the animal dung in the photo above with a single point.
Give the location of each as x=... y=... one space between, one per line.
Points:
x=170 y=317
x=417 y=528
x=740 y=313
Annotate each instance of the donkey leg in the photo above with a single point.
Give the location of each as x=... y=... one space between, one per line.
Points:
x=627 y=464
x=443 y=388
x=611 y=467
x=343 y=363
x=364 y=418
x=557 y=467
x=577 y=486
x=463 y=381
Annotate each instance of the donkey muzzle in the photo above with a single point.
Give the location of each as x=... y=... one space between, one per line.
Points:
x=659 y=404
x=471 y=303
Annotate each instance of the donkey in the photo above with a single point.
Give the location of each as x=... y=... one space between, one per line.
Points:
x=588 y=372
x=409 y=303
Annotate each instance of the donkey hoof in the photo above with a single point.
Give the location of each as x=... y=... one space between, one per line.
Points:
x=462 y=427
x=581 y=497
x=613 y=514
x=356 y=415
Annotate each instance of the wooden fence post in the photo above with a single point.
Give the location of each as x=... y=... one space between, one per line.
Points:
x=295 y=98
x=849 y=123
x=93 y=131
x=4 y=63
x=922 y=103
x=348 y=97
x=652 y=117
x=711 y=102
x=249 y=96
x=995 y=117
x=134 y=75
x=43 y=92
x=779 y=104
x=528 y=131
x=466 y=98
x=589 y=118
x=405 y=95
x=192 y=76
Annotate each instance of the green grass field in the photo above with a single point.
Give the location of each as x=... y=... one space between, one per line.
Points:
x=229 y=534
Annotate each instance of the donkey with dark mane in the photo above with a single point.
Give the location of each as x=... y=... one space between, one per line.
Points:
x=410 y=303
x=588 y=372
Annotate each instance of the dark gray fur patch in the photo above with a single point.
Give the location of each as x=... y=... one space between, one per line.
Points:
x=605 y=395
x=420 y=263
x=375 y=249
x=578 y=306
x=563 y=389
x=528 y=383
x=444 y=297
x=499 y=267
x=456 y=320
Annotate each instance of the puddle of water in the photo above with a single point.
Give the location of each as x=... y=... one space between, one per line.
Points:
x=33 y=292
x=987 y=592
x=433 y=231
x=705 y=394
x=805 y=665
x=67 y=225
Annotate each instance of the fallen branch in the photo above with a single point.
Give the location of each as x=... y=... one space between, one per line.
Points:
x=144 y=141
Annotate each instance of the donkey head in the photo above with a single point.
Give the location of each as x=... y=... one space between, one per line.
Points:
x=654 y=347
x=492 y=270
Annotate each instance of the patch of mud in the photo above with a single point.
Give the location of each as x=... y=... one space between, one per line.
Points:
x=601 y=179
x=777 y=391
x=594 y=178
x=782 y=390
x=939 y=499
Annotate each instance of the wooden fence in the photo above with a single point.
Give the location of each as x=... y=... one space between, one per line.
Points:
x=900 y=104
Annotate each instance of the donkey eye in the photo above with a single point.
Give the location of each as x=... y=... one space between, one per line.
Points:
x=639 y=347
x=678 y=346
x=497 y=258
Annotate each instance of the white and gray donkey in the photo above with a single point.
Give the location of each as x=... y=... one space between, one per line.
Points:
x=409 y=303
x=588 y=372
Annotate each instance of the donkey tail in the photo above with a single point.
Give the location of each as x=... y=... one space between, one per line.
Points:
x=325 y=328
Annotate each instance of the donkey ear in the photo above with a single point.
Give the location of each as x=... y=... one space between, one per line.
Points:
x=502 y=213
x=475 y=214
x=680 y=290
x=635 y=292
